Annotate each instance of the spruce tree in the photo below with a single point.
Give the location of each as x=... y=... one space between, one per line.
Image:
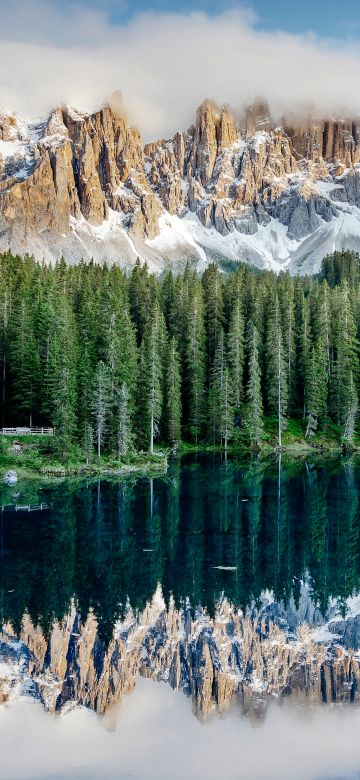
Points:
x=253 y=414
x=214 y=308
x=235 y=343
x=151 y=386
x=125 y=436
x=194 y=360
x=226 y=410
x=172 y=394
x=303 y=333
x=216 y=389
x=287 y=308
x=88 y=443
x=62 y=375
x=316 y=388
x=5 y=309
x=24 y=360
x=101 y=402
x=344 y=375
x=277 y=389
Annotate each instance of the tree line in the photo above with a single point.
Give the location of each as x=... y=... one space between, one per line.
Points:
x=117 y=362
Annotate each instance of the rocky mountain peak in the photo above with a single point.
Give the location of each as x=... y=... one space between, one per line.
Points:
x=258 y=118
x=230 y=188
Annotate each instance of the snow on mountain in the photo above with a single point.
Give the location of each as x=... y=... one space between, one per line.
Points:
x=83 y=186
x=270 y=650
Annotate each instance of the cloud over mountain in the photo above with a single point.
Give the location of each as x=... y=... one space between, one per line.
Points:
x=165 y=64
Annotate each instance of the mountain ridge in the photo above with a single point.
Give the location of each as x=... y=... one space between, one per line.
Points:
x=248 y=657
x=229 y=188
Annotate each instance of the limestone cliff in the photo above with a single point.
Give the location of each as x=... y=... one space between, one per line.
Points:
x=231 y=187
x=267 y=651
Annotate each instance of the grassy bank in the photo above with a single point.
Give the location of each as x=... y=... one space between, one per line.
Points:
x=293 y=440
x=36 y=458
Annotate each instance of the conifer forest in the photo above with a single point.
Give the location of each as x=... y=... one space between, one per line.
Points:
x=119 y=363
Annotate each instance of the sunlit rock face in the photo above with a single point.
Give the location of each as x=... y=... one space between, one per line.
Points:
x=230 y=188
x=249 y=657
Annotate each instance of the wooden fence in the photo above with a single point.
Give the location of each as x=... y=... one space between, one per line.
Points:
x=27 y=431
x=23 y=507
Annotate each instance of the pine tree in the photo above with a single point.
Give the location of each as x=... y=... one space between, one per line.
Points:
x=62 y=375
x=216 y=389
x=226 y=410
x=303 y=350
x=125 y=436
x=236 y=351
x=24 y=360
x=344 y=373
x=277 y=390
x=5 y=310
x=101 y=402
x=316 y=388
x=350 y=412
x=214 y=308
x=287 y=308
x=143 y=292
x=151 y=390
x=172 y=394
x=322 y=321
x=253 y=417
x=194 y=369
x=88 y=445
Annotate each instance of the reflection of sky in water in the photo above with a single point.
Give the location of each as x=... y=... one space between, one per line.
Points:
x=207 y=528
x=152 y=735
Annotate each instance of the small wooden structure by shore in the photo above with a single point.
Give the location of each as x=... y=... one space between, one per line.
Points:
x=26 y=431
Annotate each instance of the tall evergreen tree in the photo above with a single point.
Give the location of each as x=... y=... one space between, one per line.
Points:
x=277 y=389
x=101 y=402
x=236 y=351
x=214 y=309
x=253 y=415
x=152 y=376
x=194 y=369
x=24 y=360
x=216 y=389
x=226 y=410
x=343 y=392
x=125 y=436
x=62 y=374
x=172 y=394
x=316 y=388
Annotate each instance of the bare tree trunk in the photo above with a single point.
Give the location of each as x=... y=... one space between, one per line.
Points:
x=151 y=497
x=152 y=435
x=279 y=391
x=3 y=388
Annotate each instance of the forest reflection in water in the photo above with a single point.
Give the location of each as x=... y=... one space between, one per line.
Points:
x=210 y=527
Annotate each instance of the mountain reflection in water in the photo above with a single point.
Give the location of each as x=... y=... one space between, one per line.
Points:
x=209 y=527
x=221 y=578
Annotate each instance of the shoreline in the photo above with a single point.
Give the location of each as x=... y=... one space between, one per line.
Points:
x=156 y=464
x=32 y=463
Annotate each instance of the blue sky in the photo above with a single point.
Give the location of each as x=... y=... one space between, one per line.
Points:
x=327 y=18
x=301 y=56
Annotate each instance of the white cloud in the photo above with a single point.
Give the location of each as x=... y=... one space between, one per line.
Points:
x=153 y=735
x=166 y=64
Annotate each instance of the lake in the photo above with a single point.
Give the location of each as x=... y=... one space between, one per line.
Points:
x=232 y=584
